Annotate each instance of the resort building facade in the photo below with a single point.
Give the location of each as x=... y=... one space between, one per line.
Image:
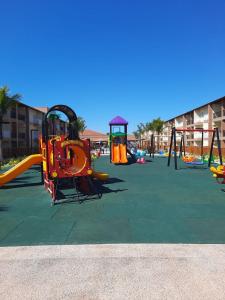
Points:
x=21 y=128
x=208 y=116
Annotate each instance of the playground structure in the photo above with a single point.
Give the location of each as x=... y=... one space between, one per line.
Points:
x=118 y=141
x=190 y=159
x=64 y=159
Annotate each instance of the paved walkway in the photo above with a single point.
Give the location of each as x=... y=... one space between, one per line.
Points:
x=122 y=271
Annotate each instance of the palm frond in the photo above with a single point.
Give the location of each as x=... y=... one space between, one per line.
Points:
x=6 y=100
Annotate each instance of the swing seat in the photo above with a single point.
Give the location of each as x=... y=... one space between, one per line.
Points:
x=195 y=163
x=188 y=158
x=219 y=173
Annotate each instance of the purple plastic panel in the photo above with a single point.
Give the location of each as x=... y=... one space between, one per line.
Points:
x=118 y=121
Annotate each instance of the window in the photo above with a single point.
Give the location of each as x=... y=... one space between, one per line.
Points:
x=13 y=130
x=37 y=120
x=13 y=113
x=6 y=131
x=21 y=117
x=34 y=138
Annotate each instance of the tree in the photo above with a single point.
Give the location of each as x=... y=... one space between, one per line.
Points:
x=6 y=102
x=139 y=132
x=53 y=116
x=136 y=134
x=81 y=124
x=149 y=127
x=157 y=126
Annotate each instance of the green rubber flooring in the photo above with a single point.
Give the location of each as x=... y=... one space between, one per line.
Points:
x=148 y=203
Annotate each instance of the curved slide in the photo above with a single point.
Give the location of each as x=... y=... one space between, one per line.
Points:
x=20 y=168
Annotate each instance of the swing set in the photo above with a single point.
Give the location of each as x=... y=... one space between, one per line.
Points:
x=190 y=159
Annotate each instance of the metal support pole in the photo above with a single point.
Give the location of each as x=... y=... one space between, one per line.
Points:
x=181 y=147
x=151 y=145
x=42 y=173
x=219 y=146
x=175 y=150
x=202 y=145
x=110 y=143
x=211 y=148
x=171 y=145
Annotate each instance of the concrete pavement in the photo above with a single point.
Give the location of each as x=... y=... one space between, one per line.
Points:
x=113 y=271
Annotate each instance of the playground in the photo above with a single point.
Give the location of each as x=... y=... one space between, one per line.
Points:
x=148 y=203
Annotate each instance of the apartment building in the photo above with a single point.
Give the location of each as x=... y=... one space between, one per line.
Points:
x=22 y=126
x=207 y=116
x=20 y=130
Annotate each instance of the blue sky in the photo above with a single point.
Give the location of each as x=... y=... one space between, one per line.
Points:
x=138 y=59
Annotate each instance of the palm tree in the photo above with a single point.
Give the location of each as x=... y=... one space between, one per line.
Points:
x=6 y=102
x=149 y=131
x=157 y=126
x=139 y=132
x=53 y=116
x=149 y=128
x=81 y=124
x=136 y=134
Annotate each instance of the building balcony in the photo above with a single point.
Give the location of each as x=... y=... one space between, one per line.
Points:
x=217 y=115
x=190 y=124
x=190 y=139
x=199 y=123
x=199 y=139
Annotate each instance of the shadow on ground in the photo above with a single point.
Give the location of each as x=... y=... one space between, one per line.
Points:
x=69 y=193
x=16 y=186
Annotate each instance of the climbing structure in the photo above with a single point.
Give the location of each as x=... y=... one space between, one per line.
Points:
x=66 y=157
x=118 y=141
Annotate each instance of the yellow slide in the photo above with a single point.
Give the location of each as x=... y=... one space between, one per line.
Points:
x=123 y=154
x=115 y=154
x=100 y=175
x=20 y=168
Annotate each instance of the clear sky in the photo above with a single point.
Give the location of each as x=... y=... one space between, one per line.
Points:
x=138 y=59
